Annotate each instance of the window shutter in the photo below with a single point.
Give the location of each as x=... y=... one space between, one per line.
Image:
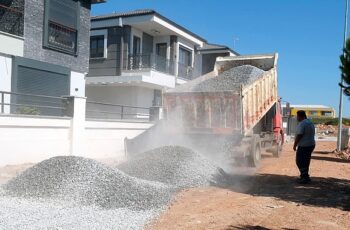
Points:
x=64 y=12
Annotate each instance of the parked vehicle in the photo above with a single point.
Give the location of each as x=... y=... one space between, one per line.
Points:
x=234 y=110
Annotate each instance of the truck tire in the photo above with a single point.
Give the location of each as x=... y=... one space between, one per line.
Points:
x=255 y=152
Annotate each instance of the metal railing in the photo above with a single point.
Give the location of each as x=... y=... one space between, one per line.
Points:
x=150 y=61
x=158 y=63
x=31 y=104
x=12 y=18
x=100 y=110
x=62 y=37
x=139 y=62
x=185 y=71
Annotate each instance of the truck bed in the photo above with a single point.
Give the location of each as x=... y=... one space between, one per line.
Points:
x=224 y=101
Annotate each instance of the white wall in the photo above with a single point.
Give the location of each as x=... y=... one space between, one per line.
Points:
x=29 y=139
x=106 y=139
x=11 y=44
x=5 y=78
x=77 y=84
x=123 y=95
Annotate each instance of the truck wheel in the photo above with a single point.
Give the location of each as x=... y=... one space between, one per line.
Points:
x=278 y=149
x=255 y=153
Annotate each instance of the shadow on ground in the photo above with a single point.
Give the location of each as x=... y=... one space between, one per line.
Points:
x=247 y=227
x=252 y=227
x=330 y=159
x=321 y=192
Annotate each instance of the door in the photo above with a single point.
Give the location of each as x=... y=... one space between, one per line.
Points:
x=157 y=97
x=136 y=45
x=160 y=59
x=135 y=59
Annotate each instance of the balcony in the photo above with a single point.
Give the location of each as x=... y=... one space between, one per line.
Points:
x=146 y=70
x=12 y=17
x=151 y=62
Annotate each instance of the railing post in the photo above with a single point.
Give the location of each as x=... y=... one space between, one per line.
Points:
x=155 y=113
x=122 y=113
x=2 y=102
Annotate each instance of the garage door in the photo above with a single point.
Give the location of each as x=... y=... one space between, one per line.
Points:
x=38 y=78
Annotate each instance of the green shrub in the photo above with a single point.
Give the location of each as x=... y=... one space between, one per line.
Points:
x=28 y=110
x=330 y=121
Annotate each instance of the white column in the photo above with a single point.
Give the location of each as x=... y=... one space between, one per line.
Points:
x=76 y=109
x=5 y=80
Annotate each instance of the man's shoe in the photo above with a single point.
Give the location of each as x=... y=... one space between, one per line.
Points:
x=304 y=180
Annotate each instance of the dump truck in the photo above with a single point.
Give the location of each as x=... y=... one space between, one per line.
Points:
x=231 y=113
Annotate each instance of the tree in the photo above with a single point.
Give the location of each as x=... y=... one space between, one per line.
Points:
x=345 y=68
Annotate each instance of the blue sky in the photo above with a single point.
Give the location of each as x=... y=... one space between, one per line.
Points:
x=307 y=34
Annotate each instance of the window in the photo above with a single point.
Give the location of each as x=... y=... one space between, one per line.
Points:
x=11 y=17
x=39 y=78
x=160 y=59
x=136 y=45
x=185 y=63
x=327 y=113
x=313 y=113
x=185 y=57
x=61 y=22
x=97 y=46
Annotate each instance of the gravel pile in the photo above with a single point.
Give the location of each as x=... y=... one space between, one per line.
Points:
x=230 y=80
x=173 y=165
x=18 y=213
x=87 y=182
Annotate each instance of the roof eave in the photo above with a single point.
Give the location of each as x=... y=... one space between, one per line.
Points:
x=157 y=15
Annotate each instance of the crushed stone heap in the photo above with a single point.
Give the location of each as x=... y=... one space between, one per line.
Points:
x=173 y=165
x=87 y=182
x=229 y=80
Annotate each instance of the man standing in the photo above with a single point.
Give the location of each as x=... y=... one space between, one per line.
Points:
x=304 y=144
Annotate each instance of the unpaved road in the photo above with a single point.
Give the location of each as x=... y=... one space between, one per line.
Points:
x=270 y=198
x=266 y=199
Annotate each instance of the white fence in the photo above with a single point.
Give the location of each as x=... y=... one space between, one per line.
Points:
x=30 y=139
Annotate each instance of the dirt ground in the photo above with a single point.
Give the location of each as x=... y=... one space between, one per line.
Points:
x=266 y=199
x=270 y=198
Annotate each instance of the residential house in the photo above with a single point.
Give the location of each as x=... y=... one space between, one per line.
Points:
x=44 y=48
x=135 y=55
x=209 y=53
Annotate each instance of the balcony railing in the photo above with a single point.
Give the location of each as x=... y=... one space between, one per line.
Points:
x=185 y=71
x=101 y=110
x=158 y=63
x=12 y=19
x=31 y=104
x=62 y=37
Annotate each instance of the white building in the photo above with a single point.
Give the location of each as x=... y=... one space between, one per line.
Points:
x=44 y=50
x=137 y=54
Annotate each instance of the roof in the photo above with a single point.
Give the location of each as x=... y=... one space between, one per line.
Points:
x=216 y=47
x=123 y=14
x=142 y=12
x=309 y=106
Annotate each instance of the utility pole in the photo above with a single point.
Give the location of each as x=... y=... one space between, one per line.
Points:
x=234 y=42
x=340 y=120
